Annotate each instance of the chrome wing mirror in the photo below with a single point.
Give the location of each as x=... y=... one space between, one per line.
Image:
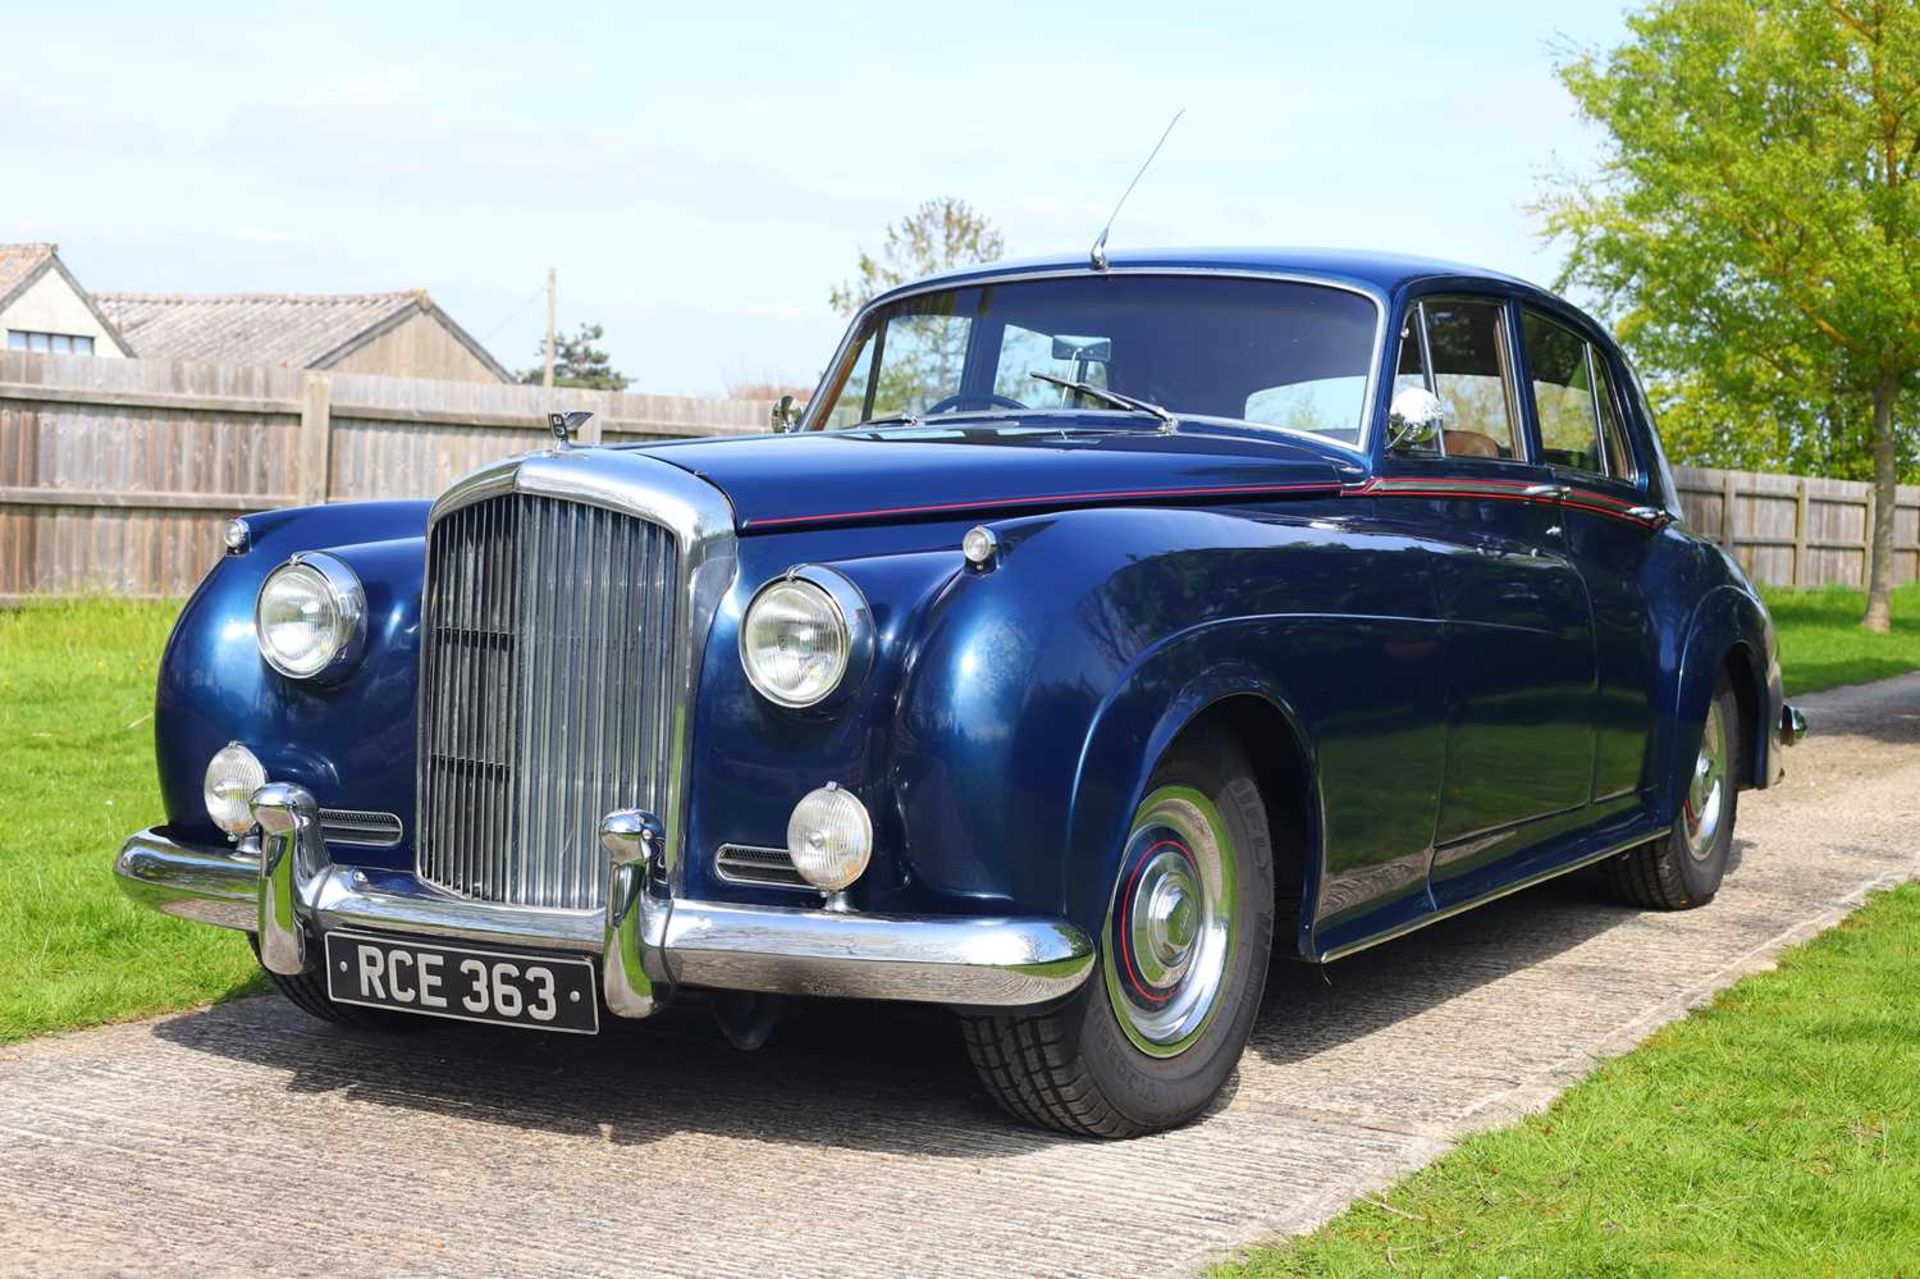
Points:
x=786 y=415
x=1415 y=417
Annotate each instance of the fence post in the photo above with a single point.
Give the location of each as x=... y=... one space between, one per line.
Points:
x=314 y=463
x=1800 y=521
x=1727 y=497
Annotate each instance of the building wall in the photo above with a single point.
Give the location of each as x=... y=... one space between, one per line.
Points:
x=51 y=306
x=419 y=347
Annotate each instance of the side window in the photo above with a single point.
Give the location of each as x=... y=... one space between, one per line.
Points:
x=1561 y=369
x=850 y=406
x=1465 y=346
x=1613 y=428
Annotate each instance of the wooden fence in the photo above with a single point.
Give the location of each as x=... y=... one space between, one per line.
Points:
x=1796 y=530
x=116 y=475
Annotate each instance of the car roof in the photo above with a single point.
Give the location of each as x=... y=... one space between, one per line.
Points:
x=1382 y=272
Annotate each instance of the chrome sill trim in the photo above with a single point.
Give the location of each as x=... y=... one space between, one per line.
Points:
x=1505 y=890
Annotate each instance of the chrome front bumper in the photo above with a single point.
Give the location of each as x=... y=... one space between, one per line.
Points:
x=281 y=886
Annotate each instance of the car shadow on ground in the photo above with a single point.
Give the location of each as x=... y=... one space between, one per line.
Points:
x=1312 y=1009
x=864 y=1076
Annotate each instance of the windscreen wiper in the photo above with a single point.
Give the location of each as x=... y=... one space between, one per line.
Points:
x=1119 y=401
x=890 y=419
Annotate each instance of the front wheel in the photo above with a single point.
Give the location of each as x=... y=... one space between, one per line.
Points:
x=1149 y=1041
x=1683 y=869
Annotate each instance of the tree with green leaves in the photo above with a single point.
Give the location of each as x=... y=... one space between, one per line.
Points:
x=577 y=362
x=940 y=235
x=1754 y=230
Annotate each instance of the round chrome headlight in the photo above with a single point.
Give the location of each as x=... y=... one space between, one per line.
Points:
x=310 y=617
x=830 y=838
x=802 y=634
x=233 y=775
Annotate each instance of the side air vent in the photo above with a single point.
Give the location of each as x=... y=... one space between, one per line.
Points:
x=765 y=867
x=355 y=826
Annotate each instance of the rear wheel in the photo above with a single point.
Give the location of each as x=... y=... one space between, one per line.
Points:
x=1148 y=1042
x=308 y=992
x=1683 y=869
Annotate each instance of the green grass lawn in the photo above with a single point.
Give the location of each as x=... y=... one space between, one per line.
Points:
x=1776 y=1132
x=76 y=777
x=1822 y=645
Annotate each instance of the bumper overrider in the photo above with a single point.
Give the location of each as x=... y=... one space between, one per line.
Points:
x=280 y=884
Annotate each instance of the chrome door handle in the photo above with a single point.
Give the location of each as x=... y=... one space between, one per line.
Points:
x=1651 y=514
x=1546 y=490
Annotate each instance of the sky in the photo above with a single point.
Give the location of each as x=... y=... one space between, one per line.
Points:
x=701 y=175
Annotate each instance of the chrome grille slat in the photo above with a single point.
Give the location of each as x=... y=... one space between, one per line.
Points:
x=547 y=671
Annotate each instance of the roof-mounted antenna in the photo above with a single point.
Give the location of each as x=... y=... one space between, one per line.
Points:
x=1098 y=253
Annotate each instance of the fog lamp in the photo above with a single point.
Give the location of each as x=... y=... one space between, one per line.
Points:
x=830 y=838
x=233 y=775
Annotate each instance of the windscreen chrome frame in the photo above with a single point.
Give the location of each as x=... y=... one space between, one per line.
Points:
x=1369 y=408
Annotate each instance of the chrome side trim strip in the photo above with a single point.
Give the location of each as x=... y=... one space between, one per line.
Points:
x=1505 y=890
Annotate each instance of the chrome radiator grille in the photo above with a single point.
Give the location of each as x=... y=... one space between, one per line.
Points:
x=547 y=659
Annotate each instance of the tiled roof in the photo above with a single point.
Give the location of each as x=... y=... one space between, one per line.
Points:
x=17 y=262
x=295 y=330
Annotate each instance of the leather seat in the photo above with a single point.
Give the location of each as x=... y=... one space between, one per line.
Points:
x=1470 y=444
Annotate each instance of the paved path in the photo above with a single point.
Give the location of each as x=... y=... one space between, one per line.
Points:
x=248 y=1139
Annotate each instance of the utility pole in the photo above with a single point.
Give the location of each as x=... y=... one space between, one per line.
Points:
x=547 y=381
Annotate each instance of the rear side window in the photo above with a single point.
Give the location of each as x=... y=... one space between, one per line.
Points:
x=1563 y=401
x=1574 y=400
x=1613 y=427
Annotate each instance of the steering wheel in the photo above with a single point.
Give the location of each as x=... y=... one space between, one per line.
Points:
x=973 y=397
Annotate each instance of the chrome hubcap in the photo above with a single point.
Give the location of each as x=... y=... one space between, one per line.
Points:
x=1170 y=928
x=1165 y=919
x=1707 y=788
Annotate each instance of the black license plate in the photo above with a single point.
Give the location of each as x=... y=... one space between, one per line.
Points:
x=543 y=992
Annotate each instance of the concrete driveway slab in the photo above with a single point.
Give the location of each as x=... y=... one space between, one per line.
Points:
x=248 y=1139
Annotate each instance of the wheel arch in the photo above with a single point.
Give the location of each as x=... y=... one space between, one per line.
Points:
x=1233 y=698
x=1727 y=635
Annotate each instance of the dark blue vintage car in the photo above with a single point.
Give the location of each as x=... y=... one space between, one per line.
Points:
x=1099 y=630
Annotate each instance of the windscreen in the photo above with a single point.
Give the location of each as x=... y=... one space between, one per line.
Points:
x=1271 y=353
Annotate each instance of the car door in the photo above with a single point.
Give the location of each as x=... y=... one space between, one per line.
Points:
x=1518 y=648
x=1574 y=388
